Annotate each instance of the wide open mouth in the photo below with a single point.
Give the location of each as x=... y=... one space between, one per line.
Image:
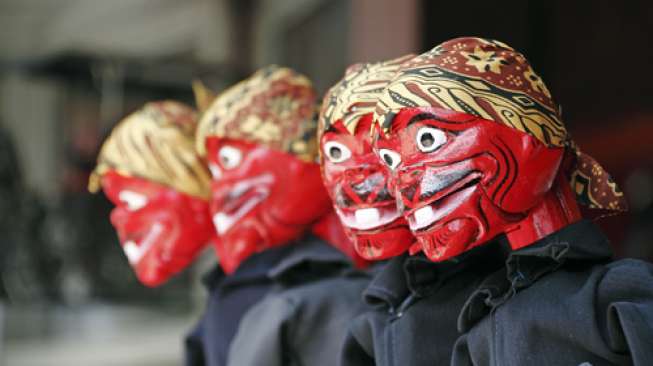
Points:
x=369 y=218
x=135 y=247
x=443 y=202
x=243 y=197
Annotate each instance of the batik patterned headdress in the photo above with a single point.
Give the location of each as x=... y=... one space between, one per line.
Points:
x=490 y=80
x=156 y=143
x=356 y=94
x=275 y=107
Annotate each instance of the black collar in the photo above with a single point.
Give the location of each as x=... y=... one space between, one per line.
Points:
x=581 y=242
x=501 y=270
x=418 y=276
x=284 y=263
x=312 y=258
x=388 y=285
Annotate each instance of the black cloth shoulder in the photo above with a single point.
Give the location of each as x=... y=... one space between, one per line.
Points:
x=415 y=306
x=560 y=301
x=303 y=319
x=601 y=315
x=230 y=297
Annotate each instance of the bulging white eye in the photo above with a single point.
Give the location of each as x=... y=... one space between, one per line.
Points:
x=134 y=201
x=429 y=139
x=230 y=157
x=390 y=158
x=336 y=152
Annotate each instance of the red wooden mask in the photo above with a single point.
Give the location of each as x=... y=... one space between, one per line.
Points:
x=357 y=183
x=149 y=169
x=261 y=197
x=161 y=230
x=476 y=148
x=461 y=180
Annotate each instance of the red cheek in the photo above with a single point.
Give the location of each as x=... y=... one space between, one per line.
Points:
x=331 y=181
x=392 y=183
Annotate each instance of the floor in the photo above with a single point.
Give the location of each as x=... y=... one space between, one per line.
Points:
x=97 y=334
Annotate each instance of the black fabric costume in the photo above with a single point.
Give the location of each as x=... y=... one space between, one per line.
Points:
x=560 y=301
x=303 y=319
x=308 y=262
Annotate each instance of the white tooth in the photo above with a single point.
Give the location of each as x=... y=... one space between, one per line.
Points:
x=427 y=215
x=424 y=217
x=367 y=217
x=135 y=252
x=222 y=222
x=132 y=251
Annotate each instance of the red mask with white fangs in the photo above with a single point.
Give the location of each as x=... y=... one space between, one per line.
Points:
x=160 y=229
x=355 y=179
x=149 y=170
x=357 y=184
x=260 y=198
x=475 y=148
x=462 y=180
x=259 y=138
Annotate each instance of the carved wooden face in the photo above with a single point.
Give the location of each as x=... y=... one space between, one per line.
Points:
x=161 y=230
x=261 y=197
x=357 y=183
x=461 y=180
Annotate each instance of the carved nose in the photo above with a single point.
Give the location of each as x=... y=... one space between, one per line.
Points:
x=408 y=183
x=356 y=175
x=364 y=185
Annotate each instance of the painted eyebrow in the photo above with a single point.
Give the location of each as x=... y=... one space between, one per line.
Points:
x=430 y=116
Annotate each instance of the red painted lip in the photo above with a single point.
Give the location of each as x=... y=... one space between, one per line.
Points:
x=472 y=178
x=237 y=195
x=440 y=208
x=231 y=204
x=240 y=199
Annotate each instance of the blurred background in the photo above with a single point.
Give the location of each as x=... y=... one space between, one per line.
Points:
x=70 y=69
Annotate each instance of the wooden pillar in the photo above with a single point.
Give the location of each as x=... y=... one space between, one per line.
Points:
x=384 y=29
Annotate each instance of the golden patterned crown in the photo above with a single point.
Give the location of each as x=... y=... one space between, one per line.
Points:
x=481 y=77
x=275 y=107
x=356 y=94
x=156 y=143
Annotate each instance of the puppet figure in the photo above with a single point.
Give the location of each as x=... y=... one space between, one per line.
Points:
x=281 y=248
x=259 y=140
x=488 y=179
x=149 y=169
x=478 y=148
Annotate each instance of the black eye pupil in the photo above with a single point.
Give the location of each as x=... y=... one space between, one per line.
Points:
x=225 y=160
x=427 y=140
x=335 y=152
x=388 y=159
